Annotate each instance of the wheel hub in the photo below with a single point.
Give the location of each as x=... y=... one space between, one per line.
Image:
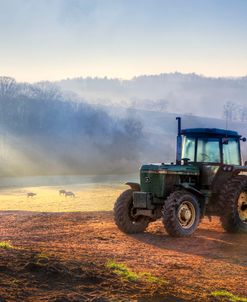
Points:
x=186 y=214
x=242 y=207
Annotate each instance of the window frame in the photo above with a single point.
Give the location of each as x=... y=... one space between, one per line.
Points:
x=195 y=147
x=220 y=149
x=220 y=139
x=239 y=152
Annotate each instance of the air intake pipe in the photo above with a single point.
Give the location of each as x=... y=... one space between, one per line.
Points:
x=179 y=143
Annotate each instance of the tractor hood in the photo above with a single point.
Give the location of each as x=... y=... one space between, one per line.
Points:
x=159 y=179
x=170 y=169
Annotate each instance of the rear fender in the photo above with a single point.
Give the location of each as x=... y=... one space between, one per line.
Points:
x=224 y=174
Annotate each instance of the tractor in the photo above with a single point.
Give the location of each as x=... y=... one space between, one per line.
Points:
x=208 y=178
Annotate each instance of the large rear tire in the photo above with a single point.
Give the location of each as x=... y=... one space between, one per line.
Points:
x=123 y=215
x=181 y=214
x=233 y=205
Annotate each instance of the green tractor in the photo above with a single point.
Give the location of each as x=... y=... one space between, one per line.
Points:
x=208 y=178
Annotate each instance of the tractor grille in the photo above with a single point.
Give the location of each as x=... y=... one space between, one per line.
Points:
x=153 y=183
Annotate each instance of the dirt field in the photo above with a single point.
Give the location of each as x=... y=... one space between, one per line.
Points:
x=82 y=256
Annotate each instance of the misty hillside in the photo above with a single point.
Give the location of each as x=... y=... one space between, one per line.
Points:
x=171 y=92
x=43 y=132
x=47 y=130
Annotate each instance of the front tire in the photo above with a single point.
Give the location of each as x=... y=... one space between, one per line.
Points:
x=233 y=204
x=181 y=214
x=123 y=215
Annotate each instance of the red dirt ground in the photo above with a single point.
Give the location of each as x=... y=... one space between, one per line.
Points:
x=61 y=257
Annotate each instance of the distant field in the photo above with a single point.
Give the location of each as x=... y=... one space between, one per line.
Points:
x=94 y=197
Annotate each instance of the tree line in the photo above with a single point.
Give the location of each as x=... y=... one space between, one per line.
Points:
x=65 y=129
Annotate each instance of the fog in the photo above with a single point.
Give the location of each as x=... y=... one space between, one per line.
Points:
x=42 y=132
x=171 y=92
x=52 y=129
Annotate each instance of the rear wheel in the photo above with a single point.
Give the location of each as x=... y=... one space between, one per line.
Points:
x=124 y=215
x=181 y=214
x=233 y=204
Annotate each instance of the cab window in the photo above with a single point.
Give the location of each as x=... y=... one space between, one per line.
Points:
x=208 y=150
x=189 y=148
x=231 y=152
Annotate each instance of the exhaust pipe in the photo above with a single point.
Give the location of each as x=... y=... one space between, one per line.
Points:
x=179 y=143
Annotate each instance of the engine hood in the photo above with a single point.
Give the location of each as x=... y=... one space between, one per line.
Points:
x=170 y=169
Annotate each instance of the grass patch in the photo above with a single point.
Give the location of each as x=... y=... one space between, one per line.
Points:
x=125 y=273
x=149 y=278
x=229 y=296
x=121 y=270
x=6 y=245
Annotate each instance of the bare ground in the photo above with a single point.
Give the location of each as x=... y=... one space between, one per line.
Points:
x=62 y=257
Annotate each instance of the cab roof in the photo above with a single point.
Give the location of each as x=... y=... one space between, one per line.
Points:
x=210 y=132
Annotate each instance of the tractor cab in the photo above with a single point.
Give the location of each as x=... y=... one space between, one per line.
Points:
x=211 y=146
x=212 y=150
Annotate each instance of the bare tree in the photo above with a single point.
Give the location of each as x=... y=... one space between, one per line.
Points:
x=230 y=111
x=45 y=90
x=8 y=87
x=242 y=112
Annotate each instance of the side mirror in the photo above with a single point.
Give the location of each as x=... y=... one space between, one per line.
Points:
x=243 y=139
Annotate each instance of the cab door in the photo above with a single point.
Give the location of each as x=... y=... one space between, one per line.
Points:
x=209 y=159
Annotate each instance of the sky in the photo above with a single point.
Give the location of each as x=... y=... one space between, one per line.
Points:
x=56 y=39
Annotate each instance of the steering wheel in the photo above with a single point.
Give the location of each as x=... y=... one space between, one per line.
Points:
x=204 y=156
x=185 y=160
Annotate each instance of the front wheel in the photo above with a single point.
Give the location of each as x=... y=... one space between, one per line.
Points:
x=124 y=215
x=181 y=214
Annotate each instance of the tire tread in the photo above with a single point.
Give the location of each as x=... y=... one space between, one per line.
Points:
x=227 y=204
x=169 y=215
x=121 y=216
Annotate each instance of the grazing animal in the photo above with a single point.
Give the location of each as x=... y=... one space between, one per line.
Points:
x=31 y=194
x=62 y=192
x=71 y=194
